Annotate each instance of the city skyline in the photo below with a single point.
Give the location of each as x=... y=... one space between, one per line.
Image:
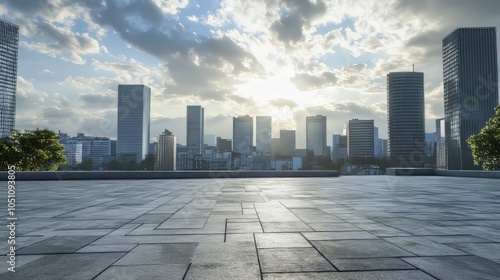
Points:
x=325 y=58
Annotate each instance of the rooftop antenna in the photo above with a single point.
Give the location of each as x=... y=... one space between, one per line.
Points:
x=413 y=67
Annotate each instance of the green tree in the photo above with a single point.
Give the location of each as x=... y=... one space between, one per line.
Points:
x=486 y=144
x=148 y=163
x=86 y=165
x=31 y=150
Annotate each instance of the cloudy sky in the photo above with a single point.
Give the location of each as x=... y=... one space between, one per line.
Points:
x=285 y=58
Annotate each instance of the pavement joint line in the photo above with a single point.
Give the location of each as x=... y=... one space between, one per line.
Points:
x=225 y=231
x=258 y=257
x=331 y=263
x=173 y=213
x=186 y=272
x=102 y=271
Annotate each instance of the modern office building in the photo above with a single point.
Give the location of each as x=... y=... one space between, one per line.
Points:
x=360 y=138
x=224 y=145
x=316 y=135
x=339 y=147
x=73 y=152
x=165 y=152
x=243 y=134
x=9 y=44
x=287 y=138
x=470 y=80
x=133 y=132
x=95 y=149
x=406 y=118
x=263 y=135
x=195 y=129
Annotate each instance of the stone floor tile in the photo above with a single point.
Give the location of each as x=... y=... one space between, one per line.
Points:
x=280 y=240
x=293 y=260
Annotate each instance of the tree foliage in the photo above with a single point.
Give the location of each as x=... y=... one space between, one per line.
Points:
x=31 y=150
x=486 y=144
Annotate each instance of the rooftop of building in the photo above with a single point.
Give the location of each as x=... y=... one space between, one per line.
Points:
x=353 y=227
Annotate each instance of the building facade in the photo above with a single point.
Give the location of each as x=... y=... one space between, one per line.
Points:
x=73 y=152
x=9 y=45
x=360 y=138
x=243 y=134
x=224 y=145
x=470 y=80
x=406 y=118
x=165 y=152
x=287 y=138
x=195 y=129
x=133 y=130
x=316 y=135
x=263 y=135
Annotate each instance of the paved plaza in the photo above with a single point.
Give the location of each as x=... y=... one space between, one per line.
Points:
x=351 y=227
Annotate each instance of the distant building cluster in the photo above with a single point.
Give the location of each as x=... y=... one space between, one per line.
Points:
x=470 y=79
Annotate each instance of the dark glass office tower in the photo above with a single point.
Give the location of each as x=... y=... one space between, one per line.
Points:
x=134 y=110
x=9 y=43
x=405 y=118
x=470 y=78
x=195 y=129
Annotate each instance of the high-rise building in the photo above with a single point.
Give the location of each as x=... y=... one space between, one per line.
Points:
x=263 y=135
x=470 y=80
x=316 y=135
x=287 y=144
x=134 y=105
x=360 y=138
x=195 y=129
x=405 y=118
x=165 y=151
x=243 y=134
x=9 y=44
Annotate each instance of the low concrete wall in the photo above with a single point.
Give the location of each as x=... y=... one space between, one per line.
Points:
x=117 y=175
x=468 y=173
x=409 y=171
x=396 y=171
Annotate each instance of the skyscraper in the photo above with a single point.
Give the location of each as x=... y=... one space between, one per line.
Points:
x=287 y=144
x=195 y=120
x=360 y=138
x=316 y=135
x=134 y=105
x=9 y=42
x=470 y=80
x=405 y=118
x=243 y=134
x=165 y=152
x=263 y=134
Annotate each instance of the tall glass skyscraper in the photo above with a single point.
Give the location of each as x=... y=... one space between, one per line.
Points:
x=316 y=135
x=470 y=79
x=243 y=134
x=360 y=138
x=406 y=118
x=195 y=125
x=287 y=139
x=134 y=105
x=264 y=132
x=9 y=43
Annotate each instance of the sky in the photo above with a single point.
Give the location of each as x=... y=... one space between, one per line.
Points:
x=282 y=58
